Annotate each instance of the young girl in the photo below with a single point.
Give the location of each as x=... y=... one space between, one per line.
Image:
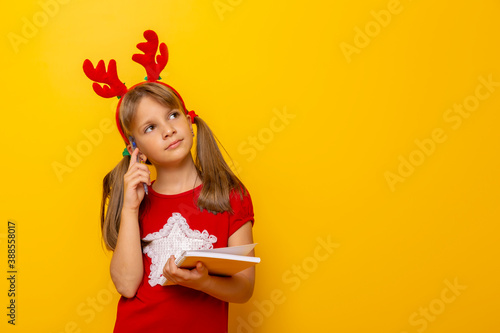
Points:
x=193 y=204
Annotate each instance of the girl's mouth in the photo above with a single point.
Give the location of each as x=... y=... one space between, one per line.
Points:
x=174 y=144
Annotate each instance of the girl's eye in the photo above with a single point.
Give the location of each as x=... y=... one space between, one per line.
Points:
x=173 y=115
x=148 y=129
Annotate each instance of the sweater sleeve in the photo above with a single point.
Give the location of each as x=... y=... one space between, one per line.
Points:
x=242 y=211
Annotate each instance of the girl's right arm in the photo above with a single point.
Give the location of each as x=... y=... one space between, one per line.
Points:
x=126 y=264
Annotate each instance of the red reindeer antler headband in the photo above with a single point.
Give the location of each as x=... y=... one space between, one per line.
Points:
x=113 y=87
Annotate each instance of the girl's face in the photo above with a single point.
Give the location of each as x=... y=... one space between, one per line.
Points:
x=163 y=135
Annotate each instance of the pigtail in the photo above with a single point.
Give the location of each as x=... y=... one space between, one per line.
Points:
x=112 y=203
x=218 y=179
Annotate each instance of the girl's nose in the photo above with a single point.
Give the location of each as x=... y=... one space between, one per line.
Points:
x=168 y=130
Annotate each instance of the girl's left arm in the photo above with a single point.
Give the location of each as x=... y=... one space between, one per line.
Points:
x=235 y=289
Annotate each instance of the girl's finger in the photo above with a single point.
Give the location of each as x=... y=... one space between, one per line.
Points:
x=133 y=157
x=167 y=270
x=135 y=169
x=171 y=263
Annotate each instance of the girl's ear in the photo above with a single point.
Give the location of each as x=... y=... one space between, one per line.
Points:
x=129 y=148
x=190 y=123
x=143 y=157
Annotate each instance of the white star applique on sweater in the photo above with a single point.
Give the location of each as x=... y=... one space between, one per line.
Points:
x=172 y=239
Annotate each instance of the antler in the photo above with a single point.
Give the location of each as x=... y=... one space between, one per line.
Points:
x=153 y=69
x=112 y=85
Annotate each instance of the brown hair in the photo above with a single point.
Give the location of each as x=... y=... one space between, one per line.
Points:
x=217 y=178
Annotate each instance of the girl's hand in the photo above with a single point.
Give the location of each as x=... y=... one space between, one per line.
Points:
x=133 y=190
x=196 y=278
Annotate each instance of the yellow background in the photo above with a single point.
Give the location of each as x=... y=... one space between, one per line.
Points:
x=318 y=175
